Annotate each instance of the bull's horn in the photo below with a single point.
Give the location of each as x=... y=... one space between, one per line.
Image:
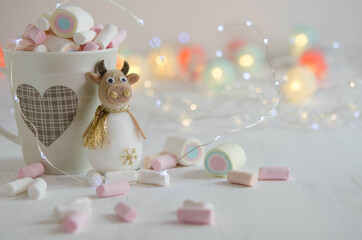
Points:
x=125 y=68
x=101 y=68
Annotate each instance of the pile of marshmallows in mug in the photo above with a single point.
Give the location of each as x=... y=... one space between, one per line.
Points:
x=224 y=160
x=67 y=29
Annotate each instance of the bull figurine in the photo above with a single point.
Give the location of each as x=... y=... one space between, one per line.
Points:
x=114 y=136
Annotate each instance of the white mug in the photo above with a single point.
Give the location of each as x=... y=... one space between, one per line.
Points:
x=55 y=96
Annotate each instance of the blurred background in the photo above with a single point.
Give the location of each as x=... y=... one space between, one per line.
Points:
x=208 y=60
x=333 y=20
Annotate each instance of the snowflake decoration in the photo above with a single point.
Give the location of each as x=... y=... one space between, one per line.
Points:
x=128 y=156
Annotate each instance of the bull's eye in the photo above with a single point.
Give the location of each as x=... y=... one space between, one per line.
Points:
x=110 y=80
x=123 y=79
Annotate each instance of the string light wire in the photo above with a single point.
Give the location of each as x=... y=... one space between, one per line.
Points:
x=271 y=112
x=313 y=117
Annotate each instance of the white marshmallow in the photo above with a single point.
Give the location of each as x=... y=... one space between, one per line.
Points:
x=123 y=175
x=37 y=188
x=57 y=44
x=106 y=36
x=153 y=177
x=81 y=200
x=94 y=177
x=47 y=15
x=43 y=22
x=18 y=186
x=192 y=203
x=179 y=146
x=41 y=48
x=80 y=204
x=84 y=37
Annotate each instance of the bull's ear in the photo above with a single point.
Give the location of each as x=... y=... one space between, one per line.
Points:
x=93 y=77
x=133 y=78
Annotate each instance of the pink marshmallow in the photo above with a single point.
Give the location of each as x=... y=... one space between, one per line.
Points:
x=113 y=189
x=196 y=215
x=242 y=178
x=21 y=44
x=163 y=162
x=98 y=28
x=75 y=222
x=91 y=46
x=35 y=34
x=150 y=158
x=118 y=39
x=32 y=170
x=274 y=173
x=126 y=212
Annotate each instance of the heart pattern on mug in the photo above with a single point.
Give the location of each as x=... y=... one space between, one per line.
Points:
x=51 y=114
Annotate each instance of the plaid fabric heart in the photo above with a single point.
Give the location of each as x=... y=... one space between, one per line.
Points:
x=51 y=114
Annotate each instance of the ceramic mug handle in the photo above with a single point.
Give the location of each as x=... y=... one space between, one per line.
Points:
x=12 y=137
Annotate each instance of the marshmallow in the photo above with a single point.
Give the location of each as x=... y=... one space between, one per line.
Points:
x=153 y=177
x=149 y=158
x=41 y=48
x=75 y=222
x=57 y=44
x=18 y=186
x=125 y=212
x=179 y=146
x=224 y=158
x=163 y=162
x=97 y=28
x=32 y=170
x=68 y=20
x=91 y=46
x=243 y=178
x=20 y=44
x=47 y=15
x=94 y=177
x=79 y=204
x=80 y=200
x=274 y=173
x=196 y=215
x=113 y=189
x=35 y=34
x=82 y=38
x=118 y=39
x=37 y=188
x=106 y=35
x=43 y=23
x=195 y=204
x=123 y=175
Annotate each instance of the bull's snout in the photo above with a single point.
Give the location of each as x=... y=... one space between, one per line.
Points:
x=113 y=95
x=119 y=94
x=126 y=93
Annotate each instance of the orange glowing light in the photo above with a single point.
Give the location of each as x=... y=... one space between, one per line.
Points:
x=184 y=57
x=192 y=62
x=314 y=60
x=120 y=61
x=2 y=59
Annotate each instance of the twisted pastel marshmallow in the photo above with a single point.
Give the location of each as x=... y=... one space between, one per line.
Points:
x=179 y=146
x=66 y=21
x=224 y=158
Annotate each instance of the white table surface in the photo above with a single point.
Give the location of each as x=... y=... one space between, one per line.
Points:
x=322 y=200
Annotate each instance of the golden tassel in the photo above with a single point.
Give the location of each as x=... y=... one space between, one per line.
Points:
x=96 y=135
